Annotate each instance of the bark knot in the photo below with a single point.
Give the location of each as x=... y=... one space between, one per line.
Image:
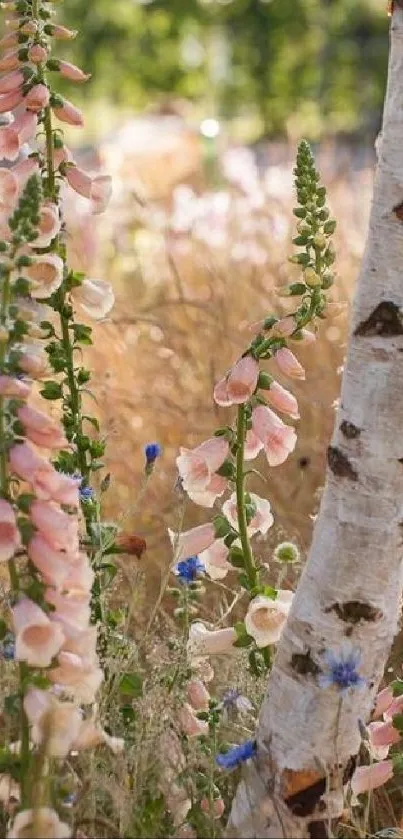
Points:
x=353 y=611
x=303 y=664
x=340 y=464
x=350 y=430
x=385 y=320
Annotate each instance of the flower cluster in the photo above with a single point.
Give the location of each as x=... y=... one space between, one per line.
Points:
x=217 y=466
x=45 y=463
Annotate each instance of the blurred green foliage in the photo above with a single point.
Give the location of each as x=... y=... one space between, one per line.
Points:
x=321 y=61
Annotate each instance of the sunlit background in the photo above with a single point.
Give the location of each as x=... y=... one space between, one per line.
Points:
x=196 y=109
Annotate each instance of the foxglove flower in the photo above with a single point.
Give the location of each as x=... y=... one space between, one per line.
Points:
x=266 y=617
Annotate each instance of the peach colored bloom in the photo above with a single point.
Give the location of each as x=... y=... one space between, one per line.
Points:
x=58 y=528
x=204 y=642
x=307 y=337
x=265 y=617
x=217 y=808
x=396 y=707
x=367 y=778
x=61 y=33
x=8 y=189
x=10 y=61
x=49 y=225
x=383 y=701
x=47 y=483
x=215 y=560
x=197 y=466
x=69 y=113
x=53 y=565
x=91 y=734
x=55 y=723
x=10 y=539
x=83 y=644
x=70 y=607
x=78 y=676
x=288 y=364
x=9 y=40
x=190 y=724
x=79 y=180
x=11 y=81
x=252 y=445
x=206 y=497
x=37 y=98
x=192 y=542
x=43 y=821
x=37 y=54
x=14 y=388
x=285 y=326
x=11 y=100
x=95 y=297
x=198 y=695
x=33 y=360
x=41 y=429
x=261 y=521
x=100 y=194
x=282 y=399
x=382 y=735
x=45 y=275
x=24 y=169
x=239 y=384
x=278 y=439
x=80 y=578
x=18 y=132
x=37 y=640
x=70 y=71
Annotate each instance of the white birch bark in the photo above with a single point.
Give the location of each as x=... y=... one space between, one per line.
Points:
x=351 y=585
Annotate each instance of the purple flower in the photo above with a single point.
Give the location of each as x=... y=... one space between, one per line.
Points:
x=341 y=668
x=236 y=755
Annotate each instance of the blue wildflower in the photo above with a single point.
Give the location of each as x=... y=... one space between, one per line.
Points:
x=86 y=493
x=236 y=755
x=341 y=668
x=188 y=569
x=152 y=451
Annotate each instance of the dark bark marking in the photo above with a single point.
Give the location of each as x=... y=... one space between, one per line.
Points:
x=400 y=459
x=303 y=664
x=303 y=803
x=386 y=320
x=398 y=210
x=340 y=464
x=353 y=611
x=318 y=830
x=350 y=430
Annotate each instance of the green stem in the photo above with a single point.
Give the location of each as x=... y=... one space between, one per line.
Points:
x=51 y=181
x=250 y=567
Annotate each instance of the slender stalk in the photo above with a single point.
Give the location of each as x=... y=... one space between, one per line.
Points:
x=250 y=567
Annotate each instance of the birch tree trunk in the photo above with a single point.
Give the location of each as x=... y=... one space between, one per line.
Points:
x=308 y=736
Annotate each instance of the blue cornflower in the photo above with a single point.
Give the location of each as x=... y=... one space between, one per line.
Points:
x=341 y=668
x=152 y=451
x=236 y=755
x=86 y=493
x=188 y=569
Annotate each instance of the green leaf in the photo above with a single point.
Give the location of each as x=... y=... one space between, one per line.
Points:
x=131 y=684
x=12 y=704
x=236 y=557
x=221 y=526
x=3 y=630
x=255 y=663
x=82 y=333
x=243 y=639
x=52 y=390
x=397 y=721
x=397 y=687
